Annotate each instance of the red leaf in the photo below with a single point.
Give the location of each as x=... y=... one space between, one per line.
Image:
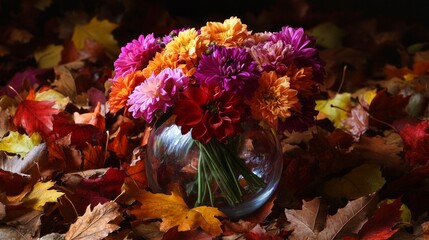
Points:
x=108 y=186
x=81 y=134
x=387 y=108
x=35 y=116
x=416 y=143
x=381 y=225
x=12 y=183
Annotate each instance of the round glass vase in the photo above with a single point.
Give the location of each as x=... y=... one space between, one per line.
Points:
x=172 y=165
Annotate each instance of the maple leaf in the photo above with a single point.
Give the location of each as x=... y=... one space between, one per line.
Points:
x=19 y=143
x=22 y=80
x=35 y=116
x=95 y=224
x=120 y=145
x=361 y=181
x=99 y=31
x=416 y=143
x=49 y=57
x=173 y=211
x=13 y=183
x=40 y=195
x=312 y=222
x=62 y=157
x=335 y=109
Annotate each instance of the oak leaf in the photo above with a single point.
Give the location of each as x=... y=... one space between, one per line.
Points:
x=19 y=143
x=100 y=31
x=40 y=195
x=35 y=116
x=313 y=223
x=173 y=211
x=95 y=224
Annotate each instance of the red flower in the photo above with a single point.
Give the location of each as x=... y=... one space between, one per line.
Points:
x=207 y=112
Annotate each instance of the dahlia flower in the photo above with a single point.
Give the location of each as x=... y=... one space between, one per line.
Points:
x=207 y=111
x=157 y=93
x=135 y=55
x=232 y=69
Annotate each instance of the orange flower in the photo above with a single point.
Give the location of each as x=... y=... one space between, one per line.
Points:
x=301 y=79
x=230 y=33
x=273 y=99
x=122 y=88
x=162 y=61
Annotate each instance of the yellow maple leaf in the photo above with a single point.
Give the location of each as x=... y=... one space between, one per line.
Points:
x=19 y=143
x=49 y=57
x=173 y=211
x=40 y=195
x=335 y=109
x=99 y=31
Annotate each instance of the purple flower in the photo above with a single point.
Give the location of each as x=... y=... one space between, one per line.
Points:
x=232 y=69
x=136 y=55
x=302 y=120
x=305 y=52
x=157 y=93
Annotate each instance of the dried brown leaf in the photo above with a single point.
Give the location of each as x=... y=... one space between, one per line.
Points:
x=95 y=224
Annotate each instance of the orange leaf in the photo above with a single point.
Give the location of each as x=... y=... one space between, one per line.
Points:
x=136 y=174
x=173 y=211
x=94 y=118
x=120 y=145
x=35 y=116
x=93 y=157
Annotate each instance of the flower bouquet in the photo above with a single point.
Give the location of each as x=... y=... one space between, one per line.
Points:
x=209 y=83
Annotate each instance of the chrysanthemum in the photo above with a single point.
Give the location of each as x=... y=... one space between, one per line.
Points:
x=183 y=45
x=273 y=99
x=157 y=93
x=122 y=88
x=135 y=55
x=158 y=63
x=230 y=33
x=208 y=112
x=301 y=79
x=173 y=33
x=305 y=52
x=233 y=69
x=272 y=56
x=301 y=118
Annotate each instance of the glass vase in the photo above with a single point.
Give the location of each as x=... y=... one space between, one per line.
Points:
x=172 y=165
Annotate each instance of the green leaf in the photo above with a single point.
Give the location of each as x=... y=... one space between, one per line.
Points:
x=361 y=181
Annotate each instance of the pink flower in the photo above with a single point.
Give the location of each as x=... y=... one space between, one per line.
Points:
x=136 y=55
x=157 y=93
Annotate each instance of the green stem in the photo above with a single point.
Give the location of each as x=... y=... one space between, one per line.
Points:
x=219 y=163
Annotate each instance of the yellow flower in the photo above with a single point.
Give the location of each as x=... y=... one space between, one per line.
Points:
x=273 y=99
x=183 y=45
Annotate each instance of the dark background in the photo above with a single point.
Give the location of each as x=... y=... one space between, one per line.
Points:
x=54 y=24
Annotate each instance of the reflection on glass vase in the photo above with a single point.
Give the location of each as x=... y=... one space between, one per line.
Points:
x=174 y=160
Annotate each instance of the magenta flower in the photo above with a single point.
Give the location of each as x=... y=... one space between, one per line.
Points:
x=273 y=56
x=233 y=69
x=136 y=55
x=157 y=93
x=305 y=52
